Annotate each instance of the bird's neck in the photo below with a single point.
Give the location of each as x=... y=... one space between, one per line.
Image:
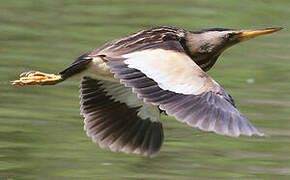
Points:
x=203 y=55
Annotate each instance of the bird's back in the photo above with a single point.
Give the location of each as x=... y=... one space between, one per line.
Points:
x=140 y=40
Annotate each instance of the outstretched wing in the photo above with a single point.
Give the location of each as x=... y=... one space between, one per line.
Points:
x=117 y=119
x=165 y=76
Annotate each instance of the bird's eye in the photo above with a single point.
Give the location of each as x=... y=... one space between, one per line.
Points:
x=230 y=36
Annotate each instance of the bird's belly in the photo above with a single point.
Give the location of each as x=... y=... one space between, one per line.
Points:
x=97 y=69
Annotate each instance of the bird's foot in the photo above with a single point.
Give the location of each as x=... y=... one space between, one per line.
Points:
x=37 y=78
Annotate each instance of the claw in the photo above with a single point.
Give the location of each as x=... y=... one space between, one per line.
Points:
x=25 y=74
x=37 y=78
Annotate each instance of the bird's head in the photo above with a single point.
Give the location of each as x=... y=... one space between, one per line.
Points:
x=212 y=42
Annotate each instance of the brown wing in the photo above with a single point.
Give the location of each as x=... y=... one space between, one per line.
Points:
x=140 y=40
x=131 y=43
x=115 y=118
x=165 y=76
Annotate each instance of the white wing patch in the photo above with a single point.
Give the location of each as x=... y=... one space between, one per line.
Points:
x=173 y=71
x=125 y=95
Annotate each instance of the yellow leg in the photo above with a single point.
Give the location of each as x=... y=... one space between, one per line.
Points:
x=37 y=78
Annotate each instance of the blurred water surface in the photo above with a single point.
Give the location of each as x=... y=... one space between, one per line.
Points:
x=41 y=131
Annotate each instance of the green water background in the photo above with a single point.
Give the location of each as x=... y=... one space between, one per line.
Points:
x=41 y=131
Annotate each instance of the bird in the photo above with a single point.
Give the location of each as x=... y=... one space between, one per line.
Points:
x=127 y=82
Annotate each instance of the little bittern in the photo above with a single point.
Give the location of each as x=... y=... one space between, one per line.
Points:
x=127 y=81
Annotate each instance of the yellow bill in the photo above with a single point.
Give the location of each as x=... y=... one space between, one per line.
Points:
x=248 y=34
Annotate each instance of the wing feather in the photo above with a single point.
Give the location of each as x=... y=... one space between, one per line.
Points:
x=170 y=79
x=115 y=118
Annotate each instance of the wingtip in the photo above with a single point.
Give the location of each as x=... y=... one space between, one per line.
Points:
x=259 y=134
x=252 y=134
